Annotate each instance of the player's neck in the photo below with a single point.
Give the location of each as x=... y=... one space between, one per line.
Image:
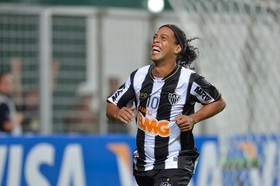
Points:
x=163 y=69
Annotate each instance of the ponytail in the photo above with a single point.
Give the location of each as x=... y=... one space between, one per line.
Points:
x=188 y=53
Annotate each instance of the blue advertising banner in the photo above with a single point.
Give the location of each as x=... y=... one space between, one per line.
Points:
x=80 y=160
x=65 y=160
x=252 y=160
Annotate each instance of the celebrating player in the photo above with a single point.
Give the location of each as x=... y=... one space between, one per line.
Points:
x=165 y=94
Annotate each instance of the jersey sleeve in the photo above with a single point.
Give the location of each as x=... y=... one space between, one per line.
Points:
x=124 y=94
x=203 y=91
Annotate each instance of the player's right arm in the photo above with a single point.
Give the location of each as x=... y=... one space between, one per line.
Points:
x=124 y=114
x=117 y=108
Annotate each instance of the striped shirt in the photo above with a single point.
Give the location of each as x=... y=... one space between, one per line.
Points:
x=160 y=143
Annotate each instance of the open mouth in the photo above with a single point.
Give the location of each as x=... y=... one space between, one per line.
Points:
x=156 y=50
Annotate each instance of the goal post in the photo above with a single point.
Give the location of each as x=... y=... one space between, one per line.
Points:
x=239 y=52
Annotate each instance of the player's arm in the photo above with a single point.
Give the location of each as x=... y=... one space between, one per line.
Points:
x=187 y=122
x=208 y=110
x=117 y=108
x=124 y=114
x=206 y=94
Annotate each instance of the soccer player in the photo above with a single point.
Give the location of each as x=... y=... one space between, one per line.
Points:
x=165 y=93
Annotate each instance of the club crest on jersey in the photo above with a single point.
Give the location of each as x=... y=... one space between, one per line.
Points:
x=173 y=98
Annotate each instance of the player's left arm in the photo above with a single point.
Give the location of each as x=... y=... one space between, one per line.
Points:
x=187 y=122
x=206 y=94
x=208 y=110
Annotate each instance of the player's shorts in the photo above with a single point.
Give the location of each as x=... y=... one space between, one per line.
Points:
x=164 y=177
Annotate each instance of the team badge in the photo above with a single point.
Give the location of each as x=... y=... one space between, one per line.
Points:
x=173 y=98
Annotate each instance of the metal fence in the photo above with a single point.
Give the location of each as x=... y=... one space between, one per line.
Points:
x=67 y=60
x=71 y=58
x=239 y=52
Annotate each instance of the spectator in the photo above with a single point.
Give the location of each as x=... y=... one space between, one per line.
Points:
x=27 y=101
x=82 y=118
x=30 y=107
x=10 y=120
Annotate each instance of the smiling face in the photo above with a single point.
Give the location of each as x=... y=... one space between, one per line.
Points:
x=164 y=46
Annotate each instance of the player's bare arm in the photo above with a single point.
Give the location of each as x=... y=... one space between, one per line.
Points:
x=125 y=114
x=186 y=123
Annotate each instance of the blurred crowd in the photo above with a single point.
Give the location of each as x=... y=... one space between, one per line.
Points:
x=19 y=108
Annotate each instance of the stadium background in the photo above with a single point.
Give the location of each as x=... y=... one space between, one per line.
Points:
x=62 y=51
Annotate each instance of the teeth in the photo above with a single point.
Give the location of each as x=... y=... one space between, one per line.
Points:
x=156 y=49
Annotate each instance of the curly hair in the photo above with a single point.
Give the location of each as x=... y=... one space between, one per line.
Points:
x=189 y=53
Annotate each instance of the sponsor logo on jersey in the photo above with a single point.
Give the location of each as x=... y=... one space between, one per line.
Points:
x=202 y=93
x=146 y=111
x=173 y=98
x=153 y=126
x=116 y=94
x=144 y=95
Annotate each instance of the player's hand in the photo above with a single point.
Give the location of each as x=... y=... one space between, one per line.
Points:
x=125 y=114
x=184 y=122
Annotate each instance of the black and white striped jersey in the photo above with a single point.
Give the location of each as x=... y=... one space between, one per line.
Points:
x=160 y=143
